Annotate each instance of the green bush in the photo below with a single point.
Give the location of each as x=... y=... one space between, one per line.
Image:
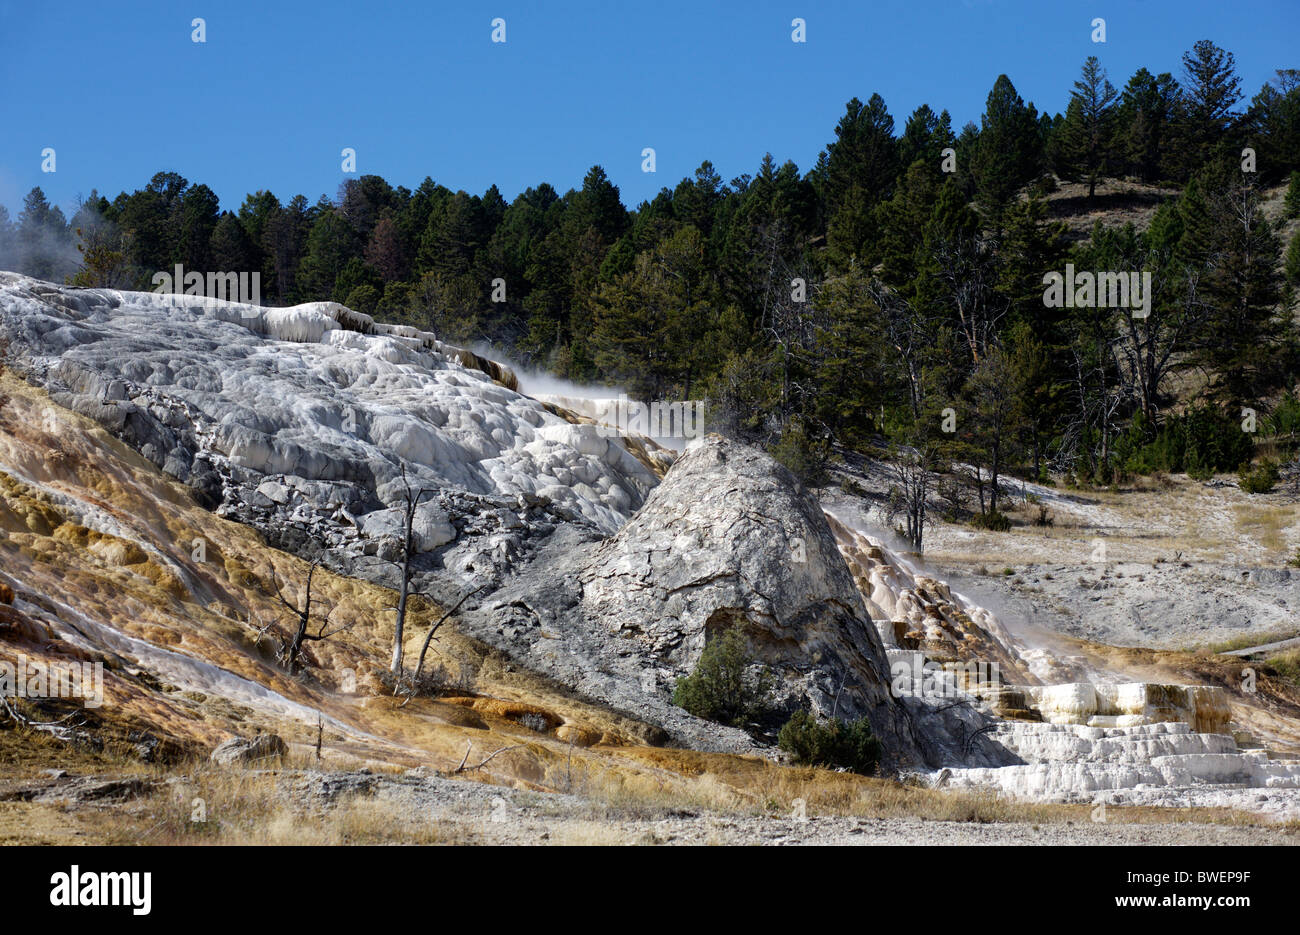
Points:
x=1261 y=479
x=362 y=299
x=832 y=743
x=1283 y=423
x=993 y=521
x=1291 y=202
x=803 y=456
x=721 y=689
x=1199 y=442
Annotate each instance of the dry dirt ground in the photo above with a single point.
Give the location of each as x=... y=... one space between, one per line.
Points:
x=293 y=806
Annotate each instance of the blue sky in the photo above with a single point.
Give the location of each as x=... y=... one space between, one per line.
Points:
x=120 y=91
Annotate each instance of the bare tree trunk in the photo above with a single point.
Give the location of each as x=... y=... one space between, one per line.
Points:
x=413 y=499
x=428 y=637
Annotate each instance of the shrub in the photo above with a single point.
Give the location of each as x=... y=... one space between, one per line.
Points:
x=363 y=298
x=1283 y=423
x=1200 y=441
x=1261 y=479
x=721 y=688
x=993 y=521
x=1044 y=517
x=802 y=455
x=834 y=743
x=1286 y=665
x=1291 y=202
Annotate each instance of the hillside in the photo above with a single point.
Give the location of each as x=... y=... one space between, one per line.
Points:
x=208 y=457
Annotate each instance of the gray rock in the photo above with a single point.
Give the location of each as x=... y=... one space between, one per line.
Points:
x=280 y=417
x=238 y=750
x=728 y=539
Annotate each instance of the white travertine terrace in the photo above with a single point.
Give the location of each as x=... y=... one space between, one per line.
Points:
x=1120 y=742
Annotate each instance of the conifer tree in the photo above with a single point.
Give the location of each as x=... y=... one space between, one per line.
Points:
x=1089 y=123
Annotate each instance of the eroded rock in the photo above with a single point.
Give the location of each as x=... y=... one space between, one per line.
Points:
x=728 y=539
x=238 y=750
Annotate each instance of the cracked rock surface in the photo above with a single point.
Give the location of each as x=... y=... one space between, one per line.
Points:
x=729 y=538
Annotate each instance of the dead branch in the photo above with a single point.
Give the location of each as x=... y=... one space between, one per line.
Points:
x=462 y=768
x=291 y=651
x=67 y=733
x=428 y=637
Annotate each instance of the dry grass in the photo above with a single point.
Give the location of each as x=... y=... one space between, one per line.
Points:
x=1253 y=639
x=1267 y=524
x=1287 y=666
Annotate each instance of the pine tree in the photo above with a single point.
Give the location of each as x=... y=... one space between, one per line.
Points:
x=1144 y=117
x=1210 y=95
x=854 y=173
x=994 y=400
x=1241 y=286
x=1009 y=151
x=1040 y=386
x=1291 y=204
x=1089 y=123
x=924 y=138
x=1293 y=261
x=231 y=249
x=284 y=237
x=42 y=239
x=386 y=252
x=1030 y=246
x=330 y=244
x=646 y=325
x=1272 y=124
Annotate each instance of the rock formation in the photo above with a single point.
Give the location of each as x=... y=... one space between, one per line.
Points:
x=727 y=540
x=300 y=421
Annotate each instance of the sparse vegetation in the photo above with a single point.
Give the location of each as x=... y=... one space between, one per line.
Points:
x=724 y=686
x=834 y=743
x=1260 y=479
x=992 y=521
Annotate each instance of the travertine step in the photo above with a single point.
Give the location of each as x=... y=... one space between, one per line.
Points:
x=1133 y=745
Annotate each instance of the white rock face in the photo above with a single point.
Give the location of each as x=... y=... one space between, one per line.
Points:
x=1153 y=764
x=287 y=408
x=727 y=540
x=1080 y=741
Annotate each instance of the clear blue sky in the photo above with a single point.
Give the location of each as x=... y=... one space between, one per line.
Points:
x=120 y=91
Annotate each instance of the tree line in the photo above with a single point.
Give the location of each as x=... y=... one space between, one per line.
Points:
x=893 y=290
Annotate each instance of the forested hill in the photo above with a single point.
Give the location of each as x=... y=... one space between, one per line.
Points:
x=894 y=288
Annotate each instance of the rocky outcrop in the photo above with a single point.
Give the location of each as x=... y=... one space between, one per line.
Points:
x=301 y=421
x=307 y=423
x=729 y=539
x=238 y=750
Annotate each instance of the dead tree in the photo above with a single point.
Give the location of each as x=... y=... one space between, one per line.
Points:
x=413 y=500
x=909 y=496
x=67 y=732
x=428 y=639
x=462 y=768
x=290 y=654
